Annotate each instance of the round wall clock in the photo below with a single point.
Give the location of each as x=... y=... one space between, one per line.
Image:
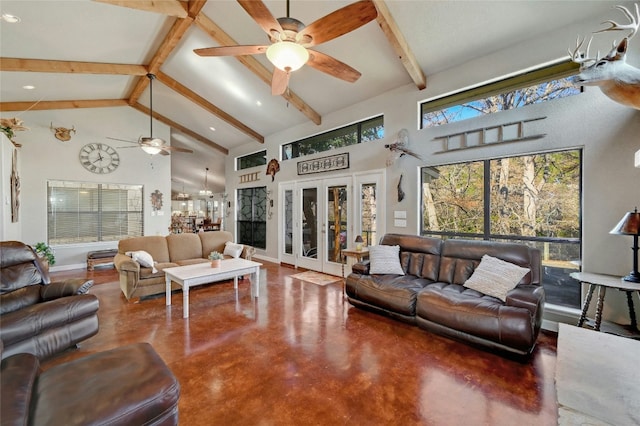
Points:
x=99 y=158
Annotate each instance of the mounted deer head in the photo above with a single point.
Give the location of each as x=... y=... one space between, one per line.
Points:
x=617 y=79
x=62 y=133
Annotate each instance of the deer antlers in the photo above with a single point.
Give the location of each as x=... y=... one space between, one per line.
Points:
x=583 y=58
x=633 y=25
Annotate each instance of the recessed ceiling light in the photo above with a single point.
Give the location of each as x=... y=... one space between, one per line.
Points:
x=258 y=103
x=12 y=19
x=28 y=87
x=213 y=129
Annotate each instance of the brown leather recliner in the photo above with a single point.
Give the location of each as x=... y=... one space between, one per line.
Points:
x=38 y=316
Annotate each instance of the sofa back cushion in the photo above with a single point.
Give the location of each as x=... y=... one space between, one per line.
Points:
x=214 y=241
x=184 y=246
x=419 y=256
x=461 y=257
x=155 y=245
x=18 y=267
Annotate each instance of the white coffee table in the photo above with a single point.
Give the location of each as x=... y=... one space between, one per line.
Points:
x=203 y=273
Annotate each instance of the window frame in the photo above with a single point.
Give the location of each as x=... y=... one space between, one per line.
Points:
x=294 y=147
x=95 y=206
x=254 y=155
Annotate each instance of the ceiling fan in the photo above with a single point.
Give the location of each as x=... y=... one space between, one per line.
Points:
x=152 y=145
x=291 y=39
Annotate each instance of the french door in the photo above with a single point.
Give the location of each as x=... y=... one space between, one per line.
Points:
x=317 y=220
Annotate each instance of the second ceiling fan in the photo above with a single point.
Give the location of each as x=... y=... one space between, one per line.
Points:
x=291 y=39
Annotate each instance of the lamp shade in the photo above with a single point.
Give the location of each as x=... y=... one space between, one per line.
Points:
x=359 y=239
x=628 y=225
x=287 y=55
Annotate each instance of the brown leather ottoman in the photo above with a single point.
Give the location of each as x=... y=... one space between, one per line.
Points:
x=130 y=385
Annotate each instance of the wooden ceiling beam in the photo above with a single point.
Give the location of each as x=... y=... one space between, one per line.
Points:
x=166 y=7
x=223 y=39
x=181 y=128
x=43 y=65
x=208 y=106
x=49 y=105
x=171 y=40
x=399 y=43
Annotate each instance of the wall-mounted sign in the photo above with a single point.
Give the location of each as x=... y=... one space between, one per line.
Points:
x=324 y=164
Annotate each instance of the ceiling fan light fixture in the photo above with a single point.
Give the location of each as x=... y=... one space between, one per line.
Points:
x=152 y=145
x=287 y=55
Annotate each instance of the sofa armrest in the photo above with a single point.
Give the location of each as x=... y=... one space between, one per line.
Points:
x=248 y=252
x=69 y=287
x=361 y=267
x=530 y=297
x=18 y=377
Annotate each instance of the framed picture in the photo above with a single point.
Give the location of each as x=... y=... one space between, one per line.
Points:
x=324 y=164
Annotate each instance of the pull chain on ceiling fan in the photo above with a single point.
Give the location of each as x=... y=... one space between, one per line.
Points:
x=291 y=39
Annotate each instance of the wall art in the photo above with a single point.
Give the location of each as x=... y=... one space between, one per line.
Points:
x=324 y=164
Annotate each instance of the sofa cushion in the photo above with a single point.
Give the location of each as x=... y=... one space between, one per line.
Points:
x=495 y=277
x=459 y=308
x=214 y=241
x=155 y=245
x=184 y=246
x=385 y=260
x=395 y=293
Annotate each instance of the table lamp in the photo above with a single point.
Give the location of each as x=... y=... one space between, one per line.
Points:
x=359 y=242
x=630 y=225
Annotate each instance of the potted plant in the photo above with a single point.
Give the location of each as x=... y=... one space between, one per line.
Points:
x=45 y=252
x=215 y=258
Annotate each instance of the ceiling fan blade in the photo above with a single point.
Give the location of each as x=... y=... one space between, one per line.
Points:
x=332 y=66
x=122 y=140
x=259 y=12
x=279 y=82
x=163 y=151
x=339 y=23
x=176 y=148
x=231 y=50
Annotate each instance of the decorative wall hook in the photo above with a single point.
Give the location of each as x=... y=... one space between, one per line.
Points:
x=62 y=133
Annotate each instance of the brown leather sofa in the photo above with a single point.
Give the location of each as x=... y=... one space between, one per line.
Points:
x=432 y=295
x=137 y=281
x=38 y=316
x=130 y=385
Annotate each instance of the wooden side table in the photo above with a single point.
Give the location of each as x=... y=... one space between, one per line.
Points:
x=602 y=282
x=357 y=254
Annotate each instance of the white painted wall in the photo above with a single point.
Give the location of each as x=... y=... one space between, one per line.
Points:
x=608 y=132
x=43 y=157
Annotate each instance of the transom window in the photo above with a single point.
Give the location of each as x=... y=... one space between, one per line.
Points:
x=533 y=87
x=364 y=131
x=251 y=160
x=82 y=212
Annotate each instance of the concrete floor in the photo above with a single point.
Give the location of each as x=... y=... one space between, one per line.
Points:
x=300 y=354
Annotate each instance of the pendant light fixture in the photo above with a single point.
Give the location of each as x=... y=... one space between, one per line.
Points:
x=205 y=191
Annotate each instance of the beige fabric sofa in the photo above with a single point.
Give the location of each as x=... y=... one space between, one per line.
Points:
x=172 y=250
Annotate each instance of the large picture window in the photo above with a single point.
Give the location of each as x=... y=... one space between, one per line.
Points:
x=80 y=212
x=252 y=216
x=531 y=199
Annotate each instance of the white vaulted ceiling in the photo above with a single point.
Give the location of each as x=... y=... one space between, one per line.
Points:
x=440 y=34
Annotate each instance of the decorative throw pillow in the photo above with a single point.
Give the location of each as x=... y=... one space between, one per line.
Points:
x=143 y=258
x=232 y=249
x=385 y=260
x=495 y=277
